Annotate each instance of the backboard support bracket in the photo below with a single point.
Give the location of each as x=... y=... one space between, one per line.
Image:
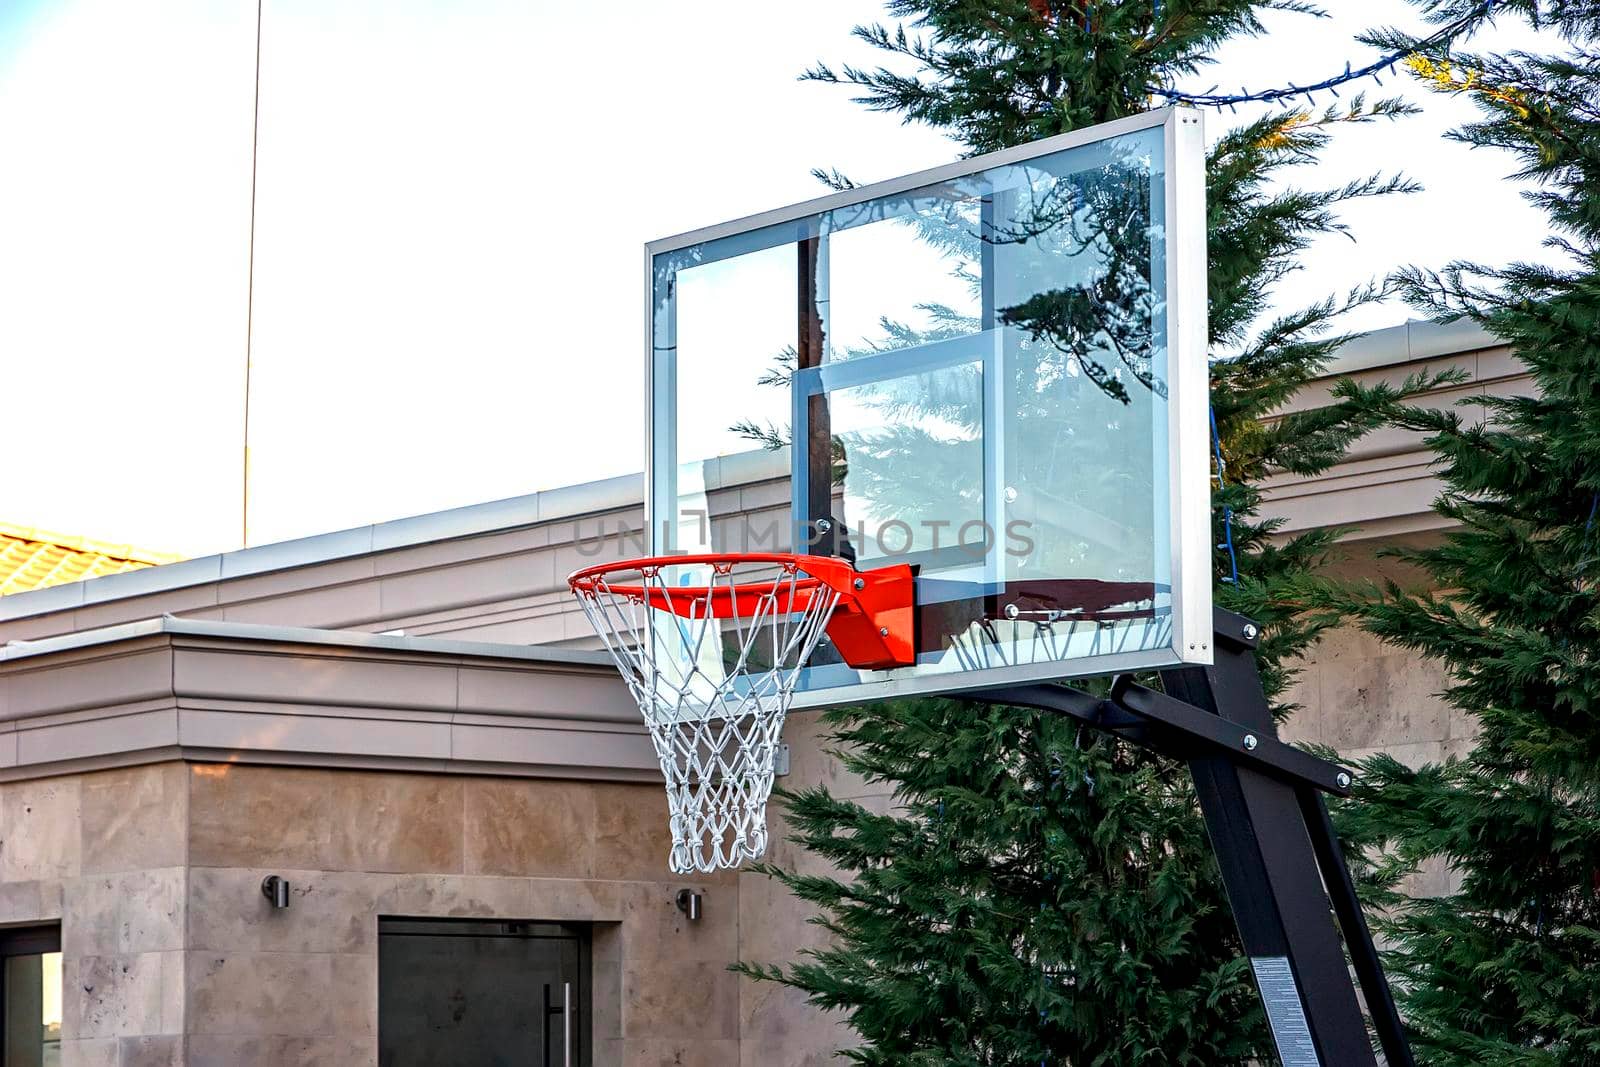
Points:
x=876 y=629
x=1275 y=844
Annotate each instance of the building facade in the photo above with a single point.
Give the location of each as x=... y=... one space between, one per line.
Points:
x=406 y=726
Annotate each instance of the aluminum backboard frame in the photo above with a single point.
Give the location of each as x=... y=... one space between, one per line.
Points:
x=1187 y=342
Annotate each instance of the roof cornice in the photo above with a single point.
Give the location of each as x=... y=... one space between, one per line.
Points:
x=228 y=692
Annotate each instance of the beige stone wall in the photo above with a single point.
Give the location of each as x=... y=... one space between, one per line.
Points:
x=171 y=955
x=1362 y=697
x=300 y=985
x=103 y=854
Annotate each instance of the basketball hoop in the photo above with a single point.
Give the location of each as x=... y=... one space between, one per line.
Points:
x=713 y=666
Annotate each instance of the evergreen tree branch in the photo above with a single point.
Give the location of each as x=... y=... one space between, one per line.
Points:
x=1502 y=968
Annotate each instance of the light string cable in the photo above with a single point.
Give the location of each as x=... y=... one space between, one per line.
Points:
x=1226 y=544
x=1588 y=538
x=1212 y=98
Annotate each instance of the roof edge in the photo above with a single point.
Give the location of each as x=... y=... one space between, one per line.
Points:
x=1408 y=342
x=300 y=635
x=1405 y=343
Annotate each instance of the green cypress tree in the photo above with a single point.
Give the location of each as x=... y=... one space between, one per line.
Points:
x=1042 y=894
x=1506 y=969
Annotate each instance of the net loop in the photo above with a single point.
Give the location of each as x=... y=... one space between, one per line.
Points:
x=713 y=668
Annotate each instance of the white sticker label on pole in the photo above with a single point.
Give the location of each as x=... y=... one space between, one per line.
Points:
x=1285 y=1012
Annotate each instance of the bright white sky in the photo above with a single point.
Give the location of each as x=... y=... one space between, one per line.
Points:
x=452 y=200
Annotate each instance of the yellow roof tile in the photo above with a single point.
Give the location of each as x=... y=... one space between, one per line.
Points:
x=32 y=558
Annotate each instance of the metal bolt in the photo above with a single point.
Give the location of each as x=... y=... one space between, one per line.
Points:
x=1012 y=611
x=824 y=525
x=860 y=583
x=1250 y=742
x=1011 y=495
x=1342 y=779
x=883 y=631
x=1250 y=631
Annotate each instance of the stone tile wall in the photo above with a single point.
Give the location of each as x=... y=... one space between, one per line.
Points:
x=1363 y=697
x=104 y=854
x=171 y=955
x=356 y=845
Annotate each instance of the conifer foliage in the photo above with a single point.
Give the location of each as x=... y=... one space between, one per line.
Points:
x=1040 y=894
x=1507 y=968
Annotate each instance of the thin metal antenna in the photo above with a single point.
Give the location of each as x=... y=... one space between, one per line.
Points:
x=250 y=291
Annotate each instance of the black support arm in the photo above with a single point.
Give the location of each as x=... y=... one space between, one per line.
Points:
x=1275 y=845
x=1157 y=721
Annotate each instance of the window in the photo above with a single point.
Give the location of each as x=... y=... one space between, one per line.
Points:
x=30 y=984
x=468 y=993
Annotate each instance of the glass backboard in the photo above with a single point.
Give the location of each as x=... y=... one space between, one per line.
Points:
x=994 y=371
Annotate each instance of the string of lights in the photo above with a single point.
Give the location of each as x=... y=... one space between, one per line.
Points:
x=1226 y=544
x=1213 y=98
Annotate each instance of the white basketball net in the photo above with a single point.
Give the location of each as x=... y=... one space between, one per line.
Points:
x=714 y=692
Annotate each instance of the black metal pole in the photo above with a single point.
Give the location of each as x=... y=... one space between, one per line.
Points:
x=1357 y=937
x=1274 y=842
x=1269 y=866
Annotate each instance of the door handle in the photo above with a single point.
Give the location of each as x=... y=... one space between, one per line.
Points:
x=566 y=1023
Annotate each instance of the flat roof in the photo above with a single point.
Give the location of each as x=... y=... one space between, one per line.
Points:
x=301 y=635
x=1405 y=343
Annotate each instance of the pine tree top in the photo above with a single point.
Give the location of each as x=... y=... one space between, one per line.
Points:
x=1005 y=72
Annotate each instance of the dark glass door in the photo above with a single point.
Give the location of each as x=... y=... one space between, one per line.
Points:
x=30 y=997
x=482 y=994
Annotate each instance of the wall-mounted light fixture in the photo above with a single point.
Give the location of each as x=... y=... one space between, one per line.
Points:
x=276 y=890
x=689 y=904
